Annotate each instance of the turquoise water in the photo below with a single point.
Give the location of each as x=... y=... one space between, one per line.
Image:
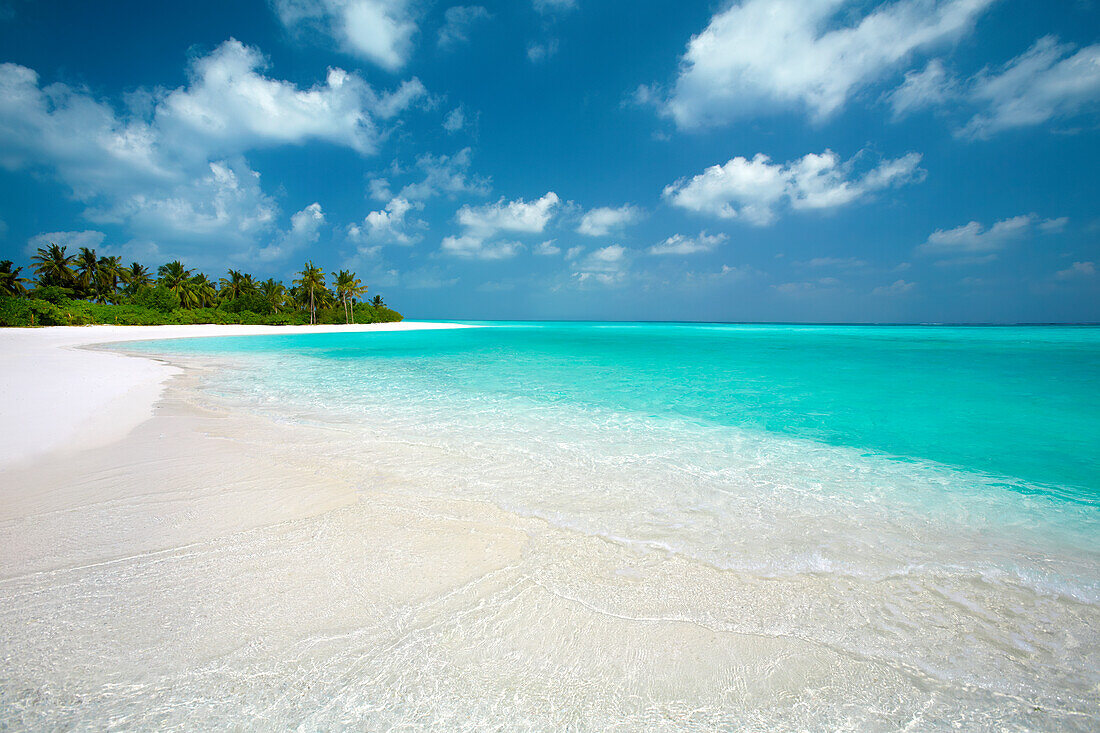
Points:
x=1019 y=403
x=914 y=509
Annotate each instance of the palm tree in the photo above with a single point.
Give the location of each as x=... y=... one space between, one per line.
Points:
x=274 y=293
x=10 y=282
x=136 y=276
x=86 y=265
x=200 y=292
x=311 y=282
x=53 y=266
x=236 y=285
x=174 y=276
x=108 y=275
x=376 y=301
x=347 y=287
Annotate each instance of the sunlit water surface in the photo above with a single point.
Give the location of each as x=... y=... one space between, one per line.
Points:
x=914 y=509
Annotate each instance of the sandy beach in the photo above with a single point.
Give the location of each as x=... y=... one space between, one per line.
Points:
x=260 y=572
x=177 y=559
x=58 y=395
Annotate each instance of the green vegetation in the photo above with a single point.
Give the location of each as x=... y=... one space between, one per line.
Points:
x=76 y=290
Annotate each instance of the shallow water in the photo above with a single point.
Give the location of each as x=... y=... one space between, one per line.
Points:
x=721 y=526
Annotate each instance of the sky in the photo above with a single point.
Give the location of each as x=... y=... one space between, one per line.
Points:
x=759 y=160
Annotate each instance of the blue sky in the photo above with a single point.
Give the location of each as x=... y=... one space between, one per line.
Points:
x=802 y=160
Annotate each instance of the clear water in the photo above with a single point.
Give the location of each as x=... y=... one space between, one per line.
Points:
x=911 y=511
x=1019 y=403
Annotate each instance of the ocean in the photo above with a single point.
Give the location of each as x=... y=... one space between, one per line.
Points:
x=865 y=527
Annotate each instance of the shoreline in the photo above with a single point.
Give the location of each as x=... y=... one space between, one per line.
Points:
x=60 y=395
x=327 y=572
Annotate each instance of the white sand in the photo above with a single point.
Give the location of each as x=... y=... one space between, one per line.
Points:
x=220 y=569
x=54 y=395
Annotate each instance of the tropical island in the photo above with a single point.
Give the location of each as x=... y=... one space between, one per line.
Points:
x=85 y=288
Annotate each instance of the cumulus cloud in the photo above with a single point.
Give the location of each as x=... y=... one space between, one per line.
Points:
x=604 y=266
x=171 y=167
x=679 y=244
x=547 y=248
x=474 y=247
x=305 y=229
x=1077 y=270
x=73 y=240
x=444 y=175
x=1046 y=82
x=227 y=205
x=754 y=190
x=380 y=31
x=385 y=226
x=768 y=55
x=229 y=106
x=1053 y=226
x=602 y=221
x=898 y=287
x=481 y=224
x=974 y=239
x=508 y=216
x=458 y=21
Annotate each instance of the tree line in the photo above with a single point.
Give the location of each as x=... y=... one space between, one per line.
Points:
x=81 y=288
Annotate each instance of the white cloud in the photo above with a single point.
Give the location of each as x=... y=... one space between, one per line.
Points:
x=602 y=221
x=753 y=190
x=379 y=189
x=445 y=175
x=305 y=229
x=73 y=240
x=975 y=239
x=679 y=244
x=171 y=168
x=511 y=216
x=766 y=55
x=922 y=89
x=227 y=204
x=898 y=287
x=538 y=52
x=605 y=266
x=230 y=107
x=547 y=248
x=458 y=22
x=553 y=6
x=455 y=120
x=1053 y=226
x=844 y=263
x=574 y=252
x=482 y=223
x=380 y=31
x=1077 y=270
x=474 y=247
x=385 y=226
x=810 y=287
x=1045 y=82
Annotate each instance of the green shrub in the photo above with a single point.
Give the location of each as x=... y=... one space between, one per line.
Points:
x=251 y=302
x=15 y=311
x=158 y=298
x=51 y=294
